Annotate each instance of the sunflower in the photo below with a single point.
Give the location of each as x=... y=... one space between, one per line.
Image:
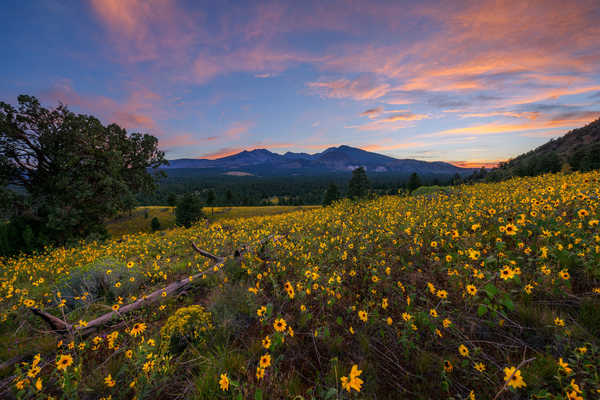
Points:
x=64 y=361
x=224 y=382
x=362 y=315
x=265 y=361
x=279 y=325
x=472 y=290
x=511 y=229
x=137 y=329
x=448 y=366
x=514 y=378
x=463 y=350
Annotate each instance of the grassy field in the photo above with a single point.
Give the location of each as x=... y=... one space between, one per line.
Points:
x=491 y=291
x=139 y=220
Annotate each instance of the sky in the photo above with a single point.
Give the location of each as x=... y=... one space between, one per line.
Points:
x=469 y=82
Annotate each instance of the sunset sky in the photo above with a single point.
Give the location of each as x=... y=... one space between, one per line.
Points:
x=462 y=81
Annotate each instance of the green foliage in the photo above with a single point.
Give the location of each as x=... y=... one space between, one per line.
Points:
x=72 y=171
x=332 y=194
x=189 y=210
x=358 y=187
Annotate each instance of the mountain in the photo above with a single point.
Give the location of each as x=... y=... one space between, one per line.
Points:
x=334 y=159
x=578 y=149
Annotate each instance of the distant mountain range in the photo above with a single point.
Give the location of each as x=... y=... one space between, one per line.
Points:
x=334 y=159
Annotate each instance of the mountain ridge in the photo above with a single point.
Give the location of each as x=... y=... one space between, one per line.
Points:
x=333 y=159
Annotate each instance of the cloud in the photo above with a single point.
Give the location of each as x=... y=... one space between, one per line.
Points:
x=389 y=122
x=362 y=88
x=528 y=115
x=404 y=116
x=181 y=140
x=477 y=163
x=134 y=113
x=223 y=152
x=372 y=112
x=237 y=129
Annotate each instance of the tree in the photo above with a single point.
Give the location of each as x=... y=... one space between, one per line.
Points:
x=189 y=210
x=210 y=199
x=332 y=194
x=70 y=172
x=155 y=224
x=358 y=187
x=413 y=182
x=229 y=197
x=172 y=199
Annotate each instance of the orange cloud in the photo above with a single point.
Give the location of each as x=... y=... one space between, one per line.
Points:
x=476 y=163
x=565 y=121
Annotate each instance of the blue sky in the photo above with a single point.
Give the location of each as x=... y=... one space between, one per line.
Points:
x=470 y=82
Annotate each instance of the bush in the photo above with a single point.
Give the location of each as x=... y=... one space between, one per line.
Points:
x=187 y=325
x=106 y=278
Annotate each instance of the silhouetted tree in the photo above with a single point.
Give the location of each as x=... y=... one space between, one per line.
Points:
x=189 y=210
x=413 y=182
x=155 y=224
x=72 y=172
x=358 y=187
x=332 y=194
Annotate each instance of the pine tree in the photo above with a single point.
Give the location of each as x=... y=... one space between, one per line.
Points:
x=414 y=182
x=332 y=194
x=359 y=184
x=155 y=224
x=189 y=210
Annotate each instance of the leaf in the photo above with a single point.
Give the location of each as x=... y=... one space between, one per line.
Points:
x=258 y=394
x=490 y=290
x=508 y=303
x=482 y=310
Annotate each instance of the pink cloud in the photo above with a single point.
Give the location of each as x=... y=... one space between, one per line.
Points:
x=358 y=89
x=237 y=129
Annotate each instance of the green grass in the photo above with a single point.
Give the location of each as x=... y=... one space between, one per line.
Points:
x=137 y=222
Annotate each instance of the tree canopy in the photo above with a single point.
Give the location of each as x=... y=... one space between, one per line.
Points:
x=63 y=173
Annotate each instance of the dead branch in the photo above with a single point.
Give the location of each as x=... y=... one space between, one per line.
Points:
x=61 y=326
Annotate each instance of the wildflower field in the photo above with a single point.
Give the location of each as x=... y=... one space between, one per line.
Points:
x=488 y=291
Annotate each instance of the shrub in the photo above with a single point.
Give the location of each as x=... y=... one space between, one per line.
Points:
x=187 y=325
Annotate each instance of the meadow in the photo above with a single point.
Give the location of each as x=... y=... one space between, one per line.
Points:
x=489 y=291
x=139 y=219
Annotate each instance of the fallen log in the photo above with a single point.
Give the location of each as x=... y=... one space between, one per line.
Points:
x=61 y=326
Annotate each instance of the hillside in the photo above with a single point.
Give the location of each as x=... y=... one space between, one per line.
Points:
x=488 y=291
x=579 y=148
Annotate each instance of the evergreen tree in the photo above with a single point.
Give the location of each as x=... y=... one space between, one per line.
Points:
x=210 y=200
x=413 y=182
x=358 y=187
x=155 y=224
x=189 y=210
x=332 y=194
x=229 y=197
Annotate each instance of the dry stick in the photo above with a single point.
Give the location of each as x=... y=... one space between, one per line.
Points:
x=62 y=326
x=511 y=375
